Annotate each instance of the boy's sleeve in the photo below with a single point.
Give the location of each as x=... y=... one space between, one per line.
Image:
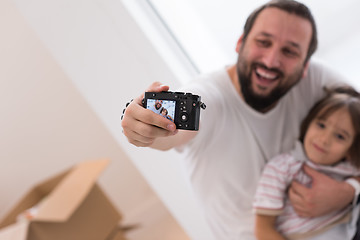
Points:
x=272 y=187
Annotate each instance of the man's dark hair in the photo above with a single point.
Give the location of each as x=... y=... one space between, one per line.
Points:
x=289 y=6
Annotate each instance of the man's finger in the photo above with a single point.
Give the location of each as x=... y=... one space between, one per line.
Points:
x=150 y=118
x=311 y=172
x=143 y=132
x=136 y=137
x=297 y=201
x=157 y=87
x=298 y=188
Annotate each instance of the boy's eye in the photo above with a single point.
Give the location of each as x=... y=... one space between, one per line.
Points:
x=320 y=124
x=340 y=136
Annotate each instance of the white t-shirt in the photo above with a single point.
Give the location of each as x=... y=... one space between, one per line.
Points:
x=225 y=159
x=271 y=195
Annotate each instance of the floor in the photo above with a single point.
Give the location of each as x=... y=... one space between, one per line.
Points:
x=154 y=223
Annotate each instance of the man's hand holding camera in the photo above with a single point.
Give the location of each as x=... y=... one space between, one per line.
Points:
x=141 y=126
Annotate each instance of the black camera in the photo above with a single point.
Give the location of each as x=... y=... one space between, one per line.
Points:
x=181 y=108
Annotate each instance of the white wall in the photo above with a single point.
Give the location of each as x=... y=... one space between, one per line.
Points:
x=210 y=29
x=109 y=61
x=47 y=126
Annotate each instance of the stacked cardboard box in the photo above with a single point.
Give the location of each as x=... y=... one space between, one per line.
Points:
x=69 y=206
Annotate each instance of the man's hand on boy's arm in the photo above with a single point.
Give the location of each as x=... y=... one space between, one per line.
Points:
x=324 y=196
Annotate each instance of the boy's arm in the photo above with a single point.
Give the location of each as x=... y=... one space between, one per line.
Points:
x=265 y=228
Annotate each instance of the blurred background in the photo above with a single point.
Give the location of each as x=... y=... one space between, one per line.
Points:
x=68 y=67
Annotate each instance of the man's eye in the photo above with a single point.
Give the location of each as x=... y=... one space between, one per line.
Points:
x=263 y=43
x=290 y=53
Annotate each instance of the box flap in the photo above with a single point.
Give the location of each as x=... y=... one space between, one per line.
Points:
x=120 y=231
x=17 y=231
x=118 y=236
x=31 y=198
x=60 y=204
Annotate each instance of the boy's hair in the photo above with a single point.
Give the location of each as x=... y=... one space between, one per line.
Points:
x=338 y=98
x=164 y=109
x=292 y=7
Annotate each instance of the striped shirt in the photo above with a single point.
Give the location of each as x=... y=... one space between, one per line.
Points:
x=271 y=195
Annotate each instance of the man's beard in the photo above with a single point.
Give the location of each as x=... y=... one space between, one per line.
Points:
x=256 y=101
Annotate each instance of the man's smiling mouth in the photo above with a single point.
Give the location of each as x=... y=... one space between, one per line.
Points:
x=265 y=77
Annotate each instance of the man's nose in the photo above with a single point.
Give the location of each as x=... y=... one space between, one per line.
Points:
x=272 y=57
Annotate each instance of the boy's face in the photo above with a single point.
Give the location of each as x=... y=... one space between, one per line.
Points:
x=327 y=141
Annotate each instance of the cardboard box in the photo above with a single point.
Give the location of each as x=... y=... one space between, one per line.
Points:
x=71 y=206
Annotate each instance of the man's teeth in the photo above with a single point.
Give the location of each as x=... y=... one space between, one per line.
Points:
x=264 y=74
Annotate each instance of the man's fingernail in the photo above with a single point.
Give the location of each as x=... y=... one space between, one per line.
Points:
x=171 y=127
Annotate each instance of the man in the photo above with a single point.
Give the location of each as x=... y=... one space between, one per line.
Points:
x=156 y=107
x=254 y=110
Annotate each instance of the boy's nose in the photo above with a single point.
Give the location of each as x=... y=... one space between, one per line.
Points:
x=325 y=137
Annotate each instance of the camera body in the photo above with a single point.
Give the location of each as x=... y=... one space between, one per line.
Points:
x=181 y=108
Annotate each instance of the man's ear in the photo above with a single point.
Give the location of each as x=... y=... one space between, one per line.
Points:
x=239 y=43
x=306 y=68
